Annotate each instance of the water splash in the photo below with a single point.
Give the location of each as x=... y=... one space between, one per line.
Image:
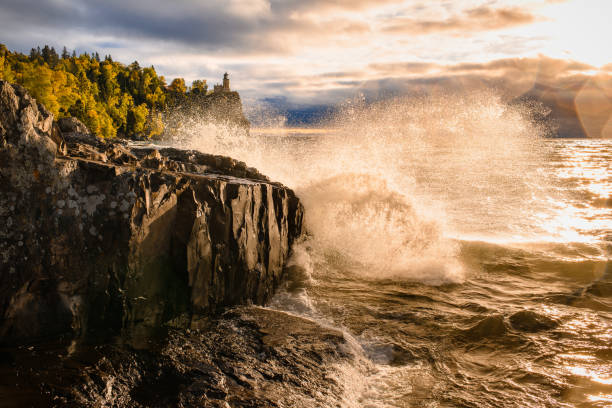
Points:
x=376 y=231
x=377 y=185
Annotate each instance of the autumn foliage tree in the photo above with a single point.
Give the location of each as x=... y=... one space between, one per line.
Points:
x=108 y=97
x=178 y=85
x=199 y=87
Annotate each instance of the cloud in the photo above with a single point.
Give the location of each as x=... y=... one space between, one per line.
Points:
x=546 y=66
x=350 y=74
x=234 y=27
x=313 y=51
x=245 y=26
x=185 y=24
x=395 y=68
x=470 y=21
x=579 y=95
x=332 y=5
x=511 y=76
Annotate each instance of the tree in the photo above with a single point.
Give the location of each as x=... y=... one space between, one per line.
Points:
x=77 y=110
x=50 y=56
x=178 y=85
x=155 y=124
x=6 y=72
x=107 y=96
x=199 y=87
x=34 y=54
x=137 y=118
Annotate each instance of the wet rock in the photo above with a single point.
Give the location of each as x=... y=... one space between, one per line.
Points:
x=529 y=321
x=250 y=357
x=490 y=326
x=602 y=287
x=98 y=237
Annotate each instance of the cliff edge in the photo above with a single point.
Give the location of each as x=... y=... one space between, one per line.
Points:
x=100 y=236
x=223 y=108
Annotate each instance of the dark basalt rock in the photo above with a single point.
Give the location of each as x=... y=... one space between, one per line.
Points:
x=531 y=322
x=219 y=107
x=249 y=357
x=489 y=327
x=98 y=236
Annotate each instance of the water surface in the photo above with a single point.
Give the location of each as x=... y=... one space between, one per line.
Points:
x=465 y=255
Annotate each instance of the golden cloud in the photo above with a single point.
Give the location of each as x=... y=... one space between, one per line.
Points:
x=472 y=20
x=579 y=95
x=403 y=68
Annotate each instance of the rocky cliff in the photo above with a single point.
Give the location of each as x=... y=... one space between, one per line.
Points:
x=220 y=108
x=98 y=237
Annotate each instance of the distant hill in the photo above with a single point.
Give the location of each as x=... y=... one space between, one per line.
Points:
x=279 y=111
x=583 y=109
x=563 y=114
x=576 y=111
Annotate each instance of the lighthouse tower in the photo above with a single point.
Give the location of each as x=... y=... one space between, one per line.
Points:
x=226 y=87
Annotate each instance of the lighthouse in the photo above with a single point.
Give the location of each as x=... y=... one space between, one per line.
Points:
x=226 y=87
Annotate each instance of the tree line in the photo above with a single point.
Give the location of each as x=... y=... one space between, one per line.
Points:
x=109 y=97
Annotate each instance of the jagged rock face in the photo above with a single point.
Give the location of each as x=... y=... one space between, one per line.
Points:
x=98 y=236
x=220 y=108
x=248 y=357
x=226 y=106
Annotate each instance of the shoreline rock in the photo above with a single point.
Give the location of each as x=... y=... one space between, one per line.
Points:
x=247 y=357
x=101 y=236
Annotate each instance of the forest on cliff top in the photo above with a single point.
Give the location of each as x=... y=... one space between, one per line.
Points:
x=110 y=98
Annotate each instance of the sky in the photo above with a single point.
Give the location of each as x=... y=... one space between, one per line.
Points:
x=322 y=51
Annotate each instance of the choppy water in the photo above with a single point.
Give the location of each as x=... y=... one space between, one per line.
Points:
x=465 y=256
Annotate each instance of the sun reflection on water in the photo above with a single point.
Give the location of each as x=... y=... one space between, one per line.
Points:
x=584 y=178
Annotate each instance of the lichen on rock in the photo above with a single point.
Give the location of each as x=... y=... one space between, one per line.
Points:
x=101 y=236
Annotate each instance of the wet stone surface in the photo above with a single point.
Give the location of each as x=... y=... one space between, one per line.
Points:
x=100 y=240
x=249 y=357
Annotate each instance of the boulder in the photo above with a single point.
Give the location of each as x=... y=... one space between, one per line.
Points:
x=98 y=237
x=489 y=327
x=72 y=125
x=531 y=322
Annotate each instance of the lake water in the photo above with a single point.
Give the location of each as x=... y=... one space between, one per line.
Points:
x=465 y=255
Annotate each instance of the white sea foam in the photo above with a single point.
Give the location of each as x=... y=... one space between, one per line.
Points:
x=362 y=182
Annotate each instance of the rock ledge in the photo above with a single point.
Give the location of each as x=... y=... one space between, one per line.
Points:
x=101 y=236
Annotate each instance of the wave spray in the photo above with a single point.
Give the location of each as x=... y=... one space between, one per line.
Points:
x=376 y=183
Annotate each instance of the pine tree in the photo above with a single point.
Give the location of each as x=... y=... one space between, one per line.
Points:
x=46 y=53
x=53 y=58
